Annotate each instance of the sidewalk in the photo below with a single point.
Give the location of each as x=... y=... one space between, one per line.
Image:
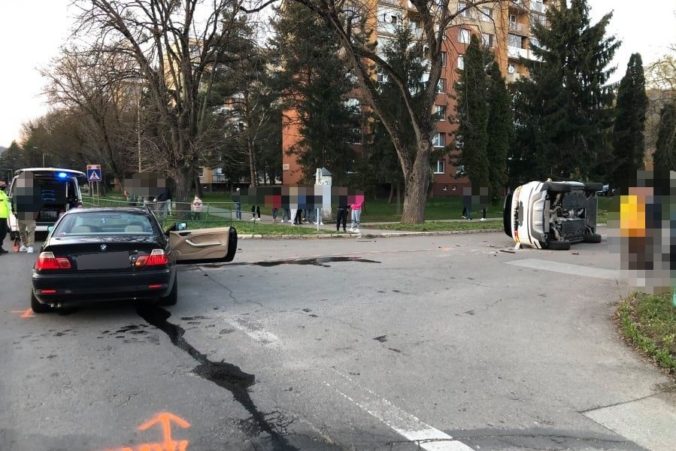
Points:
x=366 y=230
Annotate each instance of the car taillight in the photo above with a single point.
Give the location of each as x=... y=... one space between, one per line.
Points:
x=47 y=262
x=156 y=258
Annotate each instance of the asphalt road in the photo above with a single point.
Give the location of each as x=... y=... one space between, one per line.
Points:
x=436 y=343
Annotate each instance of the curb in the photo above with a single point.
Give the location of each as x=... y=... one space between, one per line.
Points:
x=393 y=234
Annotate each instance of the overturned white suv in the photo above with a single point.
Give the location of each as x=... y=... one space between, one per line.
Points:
x=552 y=215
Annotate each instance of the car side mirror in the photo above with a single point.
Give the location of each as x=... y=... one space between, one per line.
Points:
x=176 y=227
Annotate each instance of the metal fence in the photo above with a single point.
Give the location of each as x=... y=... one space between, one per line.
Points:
x=212 y=214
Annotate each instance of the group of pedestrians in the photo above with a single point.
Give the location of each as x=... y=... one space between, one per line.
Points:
x=355 y=207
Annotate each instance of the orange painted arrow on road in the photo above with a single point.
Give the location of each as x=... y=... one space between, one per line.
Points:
x=165 y=419
x=28 y=313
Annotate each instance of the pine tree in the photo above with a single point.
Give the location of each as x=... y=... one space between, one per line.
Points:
x=664 y=158
x=473 y=113
x=317 y=85
x=500 y=130
x=564 y=108
x=630 y=115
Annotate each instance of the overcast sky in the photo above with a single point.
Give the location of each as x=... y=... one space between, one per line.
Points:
x=33 y=30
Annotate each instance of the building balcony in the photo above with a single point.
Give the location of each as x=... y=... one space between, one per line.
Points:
x=519 y=28
x=538 y=7
x=516 y=53
x=518 y=5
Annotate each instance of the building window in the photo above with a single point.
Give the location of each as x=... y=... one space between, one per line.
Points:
x=487 y=40
x=463 y=9
x=382 y=76
x=461 y=62
x=440 y=167
x=464 y=36
x=511 y=68
x=486 y=14
x=200 y=173
x=439 y=140
x=440 y=112
x=443 y=59
x=514 y=41
x=441 y=85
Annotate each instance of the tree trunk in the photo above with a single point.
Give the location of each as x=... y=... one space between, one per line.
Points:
x=184 y=184
x=398 y=198
x=415 y=186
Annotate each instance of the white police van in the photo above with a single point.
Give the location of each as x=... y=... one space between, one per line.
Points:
x=56 y=191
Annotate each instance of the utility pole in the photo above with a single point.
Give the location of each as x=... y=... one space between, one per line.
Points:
x=138 y=126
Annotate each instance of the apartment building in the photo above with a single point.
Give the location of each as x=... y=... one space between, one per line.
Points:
x=504 y=27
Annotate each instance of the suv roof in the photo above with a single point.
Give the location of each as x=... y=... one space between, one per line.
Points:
x=69 y=171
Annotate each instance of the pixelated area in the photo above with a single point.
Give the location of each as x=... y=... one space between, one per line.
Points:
x=145 y=185
x=644 y=234
x=297 y=197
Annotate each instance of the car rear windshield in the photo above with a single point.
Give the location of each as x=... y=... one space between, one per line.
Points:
x=104 y=223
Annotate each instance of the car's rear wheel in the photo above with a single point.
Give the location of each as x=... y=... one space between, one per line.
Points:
x=592 y=238
x=559 y=245
x=37 y=306
x=558 y=187
x=593 y=187
x=506 y=215
x=172 y=298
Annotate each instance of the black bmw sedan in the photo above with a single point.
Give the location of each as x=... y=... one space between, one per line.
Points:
x=119 y=254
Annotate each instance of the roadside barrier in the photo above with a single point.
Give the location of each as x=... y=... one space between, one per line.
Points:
x=211 y=214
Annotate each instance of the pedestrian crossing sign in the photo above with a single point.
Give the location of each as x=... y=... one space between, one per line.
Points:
x=94 y=172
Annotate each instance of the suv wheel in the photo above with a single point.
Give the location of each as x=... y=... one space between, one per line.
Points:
x=592 y=238
x=559 y=245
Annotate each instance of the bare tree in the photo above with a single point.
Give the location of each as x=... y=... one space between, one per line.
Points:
x=176 y=45
x=100 y=86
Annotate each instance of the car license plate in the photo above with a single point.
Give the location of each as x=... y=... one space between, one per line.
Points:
x=104 y=260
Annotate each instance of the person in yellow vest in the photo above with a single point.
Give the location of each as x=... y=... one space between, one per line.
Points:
x=4 y=214
x=634 y=228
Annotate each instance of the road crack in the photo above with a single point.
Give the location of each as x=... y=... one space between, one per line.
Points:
x=223 y=374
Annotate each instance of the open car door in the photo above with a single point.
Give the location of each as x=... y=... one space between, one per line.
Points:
x=214 y=245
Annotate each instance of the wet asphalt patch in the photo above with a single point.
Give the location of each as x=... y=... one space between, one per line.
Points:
x=223 y=374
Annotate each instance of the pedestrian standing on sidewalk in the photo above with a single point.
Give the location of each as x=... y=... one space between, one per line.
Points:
x=4 y=215
x=467 y=203
x=342 y=213
x=26 y=203
x=196 y=208
x=356 y=206
x=255 y=209
x=238 y=204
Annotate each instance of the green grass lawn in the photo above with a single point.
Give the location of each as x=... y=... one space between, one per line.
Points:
x=649 y=323
x=379 y=210
x=608 y=209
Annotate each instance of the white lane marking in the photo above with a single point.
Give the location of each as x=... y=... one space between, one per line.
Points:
x=408 y=426
x=568 y=268
x=254 y=331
